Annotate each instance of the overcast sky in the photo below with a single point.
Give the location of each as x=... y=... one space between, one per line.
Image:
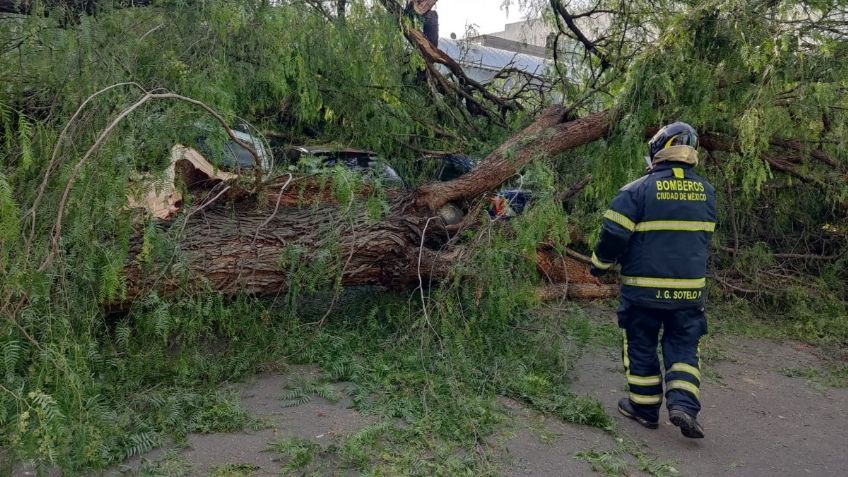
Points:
x=486 y=14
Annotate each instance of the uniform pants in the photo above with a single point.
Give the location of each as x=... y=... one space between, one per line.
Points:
x=682 y=330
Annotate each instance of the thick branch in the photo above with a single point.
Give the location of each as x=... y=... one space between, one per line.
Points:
x=713 y=142
x=433 y=55
x=544 y=137
x=799 y=146
x=422 y=6
x=574 y=189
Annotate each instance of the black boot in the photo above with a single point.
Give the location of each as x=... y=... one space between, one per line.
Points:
x=687 y=423
x=625 y=407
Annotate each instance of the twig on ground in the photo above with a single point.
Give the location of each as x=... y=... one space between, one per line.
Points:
x=578 y=256
x=420 y=279
x=724 y=283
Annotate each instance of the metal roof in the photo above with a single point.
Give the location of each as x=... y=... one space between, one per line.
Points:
x=332 y=149
x=470 y=54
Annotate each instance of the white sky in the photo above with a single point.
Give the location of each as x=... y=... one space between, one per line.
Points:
x=485 y=14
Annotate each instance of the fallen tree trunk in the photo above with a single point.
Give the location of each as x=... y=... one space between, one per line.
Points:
x=236 y=250
x=239 y=245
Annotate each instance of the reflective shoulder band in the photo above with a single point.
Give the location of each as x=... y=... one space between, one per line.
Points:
x=677 y=283
x=620 y=219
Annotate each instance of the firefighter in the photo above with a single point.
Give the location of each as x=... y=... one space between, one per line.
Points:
x=658 y=229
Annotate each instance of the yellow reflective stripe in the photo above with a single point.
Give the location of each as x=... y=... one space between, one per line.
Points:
x=675 y=226
x=668 y=143
x=678 y=173
x=643 y=399
x=620 y=219
x=644 y=380
x=624 y=354
x=686 y=368
x=677 y=283
x=599 y=264
x=686 y=386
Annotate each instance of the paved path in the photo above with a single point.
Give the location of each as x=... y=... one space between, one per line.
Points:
x=759 y=421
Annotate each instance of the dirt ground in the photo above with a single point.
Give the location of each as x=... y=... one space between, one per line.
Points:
x=247 y=453
x=759 y=421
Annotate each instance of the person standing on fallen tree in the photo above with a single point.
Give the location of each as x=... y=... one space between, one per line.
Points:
x=658 y=228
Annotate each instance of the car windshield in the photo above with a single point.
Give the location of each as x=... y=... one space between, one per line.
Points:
x=232 y=155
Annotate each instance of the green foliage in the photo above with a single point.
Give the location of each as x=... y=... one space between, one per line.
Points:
x=233 y=470
x=301 y=394
x=614 y=462
x=298 y=452
x=831 y=375
x=170 y=465
x=606 y=463
x=357 y=449
x=84 y=389
x=25 y=142
x=9 y=220
x=755 y=76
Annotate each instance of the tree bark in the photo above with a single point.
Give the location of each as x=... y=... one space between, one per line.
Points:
x=546 y=136
x=235 y=250
x=422 y=6
x=234 y=246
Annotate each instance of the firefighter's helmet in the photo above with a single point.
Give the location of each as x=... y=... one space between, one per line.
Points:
x=674 y=134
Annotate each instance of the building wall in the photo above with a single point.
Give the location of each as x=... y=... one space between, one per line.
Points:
x=532 y=32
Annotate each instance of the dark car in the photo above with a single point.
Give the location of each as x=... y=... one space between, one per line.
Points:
x=369 y=164
x=451 y=166
x=231 y=156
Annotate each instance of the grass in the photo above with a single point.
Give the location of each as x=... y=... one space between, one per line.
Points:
x=436 y=416
x=302 y=392
x=433 y=387
x=297 y=453
x=436 y=413
x=233 y=470
x=802 y=315
x=832 y=375
x=170 y=465
x=615 y=462
x=609 y=463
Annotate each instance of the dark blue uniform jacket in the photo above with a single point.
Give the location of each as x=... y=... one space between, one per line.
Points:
x=659 y=228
